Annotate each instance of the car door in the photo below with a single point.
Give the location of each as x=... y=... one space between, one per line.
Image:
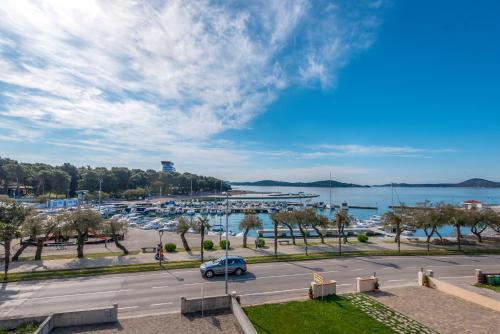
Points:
x=221 y=267
x=232 y=265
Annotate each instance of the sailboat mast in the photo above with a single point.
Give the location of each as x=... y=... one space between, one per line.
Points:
x=330 y=189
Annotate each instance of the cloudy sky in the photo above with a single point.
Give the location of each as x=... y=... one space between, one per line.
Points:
x=372 y=91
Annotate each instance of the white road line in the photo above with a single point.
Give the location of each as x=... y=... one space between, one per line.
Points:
x=396 y=280
x=272 y=292
x=73 y=295
x=127 y=307
x=159 y=287
x=453 y=265
x=359 y=269
x=345 y=284
x=160 y=304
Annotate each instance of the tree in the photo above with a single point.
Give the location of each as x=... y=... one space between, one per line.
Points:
x=287 y=219
x=82 y=221
x=12 y=216
x=427 y=219
x=394 y=220
x=116 y=229
x=249 y=222
x=202 y=225
x=303 y=219
x=318 y=222
x=342 y=220
x=479 y=221
x=183 y=227
x=37 y=228
x=276 y=219
x=458 y=218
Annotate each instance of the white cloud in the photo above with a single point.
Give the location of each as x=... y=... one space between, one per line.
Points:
x=126 y=77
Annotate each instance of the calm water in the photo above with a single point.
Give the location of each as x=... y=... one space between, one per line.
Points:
x=381 y=197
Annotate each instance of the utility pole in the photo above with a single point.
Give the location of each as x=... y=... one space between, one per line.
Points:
x=100 y=188
x=227 y=242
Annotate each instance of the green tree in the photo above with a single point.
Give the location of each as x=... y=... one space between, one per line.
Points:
x=37 y=228
x=12 y=216
x=394 y=220
x=319 y=223
x=82 y=221
x=116 y=229
x=342 y=220
x=457 y=218
x=183 y=227
x=276 y=219
x=249 y=222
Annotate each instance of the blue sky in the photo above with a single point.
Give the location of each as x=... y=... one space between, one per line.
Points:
x=372 y=91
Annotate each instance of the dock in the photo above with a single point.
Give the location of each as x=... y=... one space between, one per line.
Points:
x=311 y=233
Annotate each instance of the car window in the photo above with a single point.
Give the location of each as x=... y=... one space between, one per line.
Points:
x=232 y=261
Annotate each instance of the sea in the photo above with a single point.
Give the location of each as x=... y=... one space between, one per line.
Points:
x=381 y=197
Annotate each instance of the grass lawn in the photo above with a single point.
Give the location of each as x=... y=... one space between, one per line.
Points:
x=73 y=256
x=487 y=286
x=332 y=315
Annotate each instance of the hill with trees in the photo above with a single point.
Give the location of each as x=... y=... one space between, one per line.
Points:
x=318 y=184
x=39 y=179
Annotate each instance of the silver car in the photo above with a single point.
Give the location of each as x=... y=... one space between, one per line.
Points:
x=235 y=265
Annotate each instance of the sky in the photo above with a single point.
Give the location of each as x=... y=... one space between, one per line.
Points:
x=370 y=91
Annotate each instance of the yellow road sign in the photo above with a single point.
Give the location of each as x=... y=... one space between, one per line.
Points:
x=318 y=278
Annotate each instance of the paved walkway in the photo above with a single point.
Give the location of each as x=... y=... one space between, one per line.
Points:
x=443 y=313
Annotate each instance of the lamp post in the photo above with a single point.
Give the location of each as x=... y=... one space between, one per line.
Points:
x=227 y=242
x=160 y=251
x=100 y=188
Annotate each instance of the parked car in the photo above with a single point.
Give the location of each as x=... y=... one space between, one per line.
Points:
x=235 y=265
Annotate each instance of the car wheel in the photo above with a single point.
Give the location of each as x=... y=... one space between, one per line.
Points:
x=238 y=272
x=209 y=274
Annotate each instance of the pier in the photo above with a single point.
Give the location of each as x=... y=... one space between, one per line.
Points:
x=310 y=232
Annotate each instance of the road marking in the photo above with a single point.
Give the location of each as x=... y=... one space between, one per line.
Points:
x=345 y=284
x=396 y=280
x=359 y=269
x=410 y=267
x=127 y=307
x=159 y=287
x=454 y=265
x=272 y=292
x=160 y=304
x=73 y=295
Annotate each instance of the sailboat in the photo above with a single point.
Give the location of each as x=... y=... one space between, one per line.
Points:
x=329 y=204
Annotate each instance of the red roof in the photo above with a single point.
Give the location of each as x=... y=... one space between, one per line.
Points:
x=473 y=201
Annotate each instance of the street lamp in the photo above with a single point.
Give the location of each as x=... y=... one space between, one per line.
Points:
x=160 y=251
x=100 y=188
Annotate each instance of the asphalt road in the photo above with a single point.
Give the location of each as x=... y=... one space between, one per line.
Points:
x=160 y=292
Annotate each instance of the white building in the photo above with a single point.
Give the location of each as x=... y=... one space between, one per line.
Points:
x=473 y=205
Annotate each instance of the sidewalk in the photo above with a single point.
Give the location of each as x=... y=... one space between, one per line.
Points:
x=376 y=244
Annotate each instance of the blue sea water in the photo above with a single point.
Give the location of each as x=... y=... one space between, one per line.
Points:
x=381 y=197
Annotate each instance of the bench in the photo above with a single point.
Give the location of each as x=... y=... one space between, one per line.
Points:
x=284 y=242
x=148 y=249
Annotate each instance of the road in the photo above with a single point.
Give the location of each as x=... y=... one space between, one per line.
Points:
x=160 y=292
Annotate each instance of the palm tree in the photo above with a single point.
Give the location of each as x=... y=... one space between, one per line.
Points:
x=12 y=216
x=394 y=220
x=182 y=227
x=249 y=222
x=276 y=220
x=202 y=224
x=342 y=220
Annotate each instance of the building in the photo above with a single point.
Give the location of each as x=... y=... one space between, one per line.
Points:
x=167 y=166
x=473 y=205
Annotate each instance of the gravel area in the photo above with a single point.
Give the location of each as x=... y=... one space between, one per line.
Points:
x=441 y=312
x=215 y=322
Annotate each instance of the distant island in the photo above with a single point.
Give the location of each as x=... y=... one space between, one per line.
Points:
x=317 y=184
x=471 y=183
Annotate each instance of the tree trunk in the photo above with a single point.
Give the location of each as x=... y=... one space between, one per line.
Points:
x=439 y=235
x=184 y=243
x=39 y=248
x=322 y=237
x=119 y=245
x=245 y=238
x=459 y=236
x=202 y=238
x=340 y=243
x=276 y=240
x=19 y=252
x=80 y=243
x=291 y=232
x=398 y=237
x=304 y=236
x=6 y=247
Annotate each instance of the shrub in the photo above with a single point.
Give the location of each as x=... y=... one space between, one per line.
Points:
x=170 y=247
x=222 y=244
x=362 y=238
x=208 y=245
x=261 y=243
